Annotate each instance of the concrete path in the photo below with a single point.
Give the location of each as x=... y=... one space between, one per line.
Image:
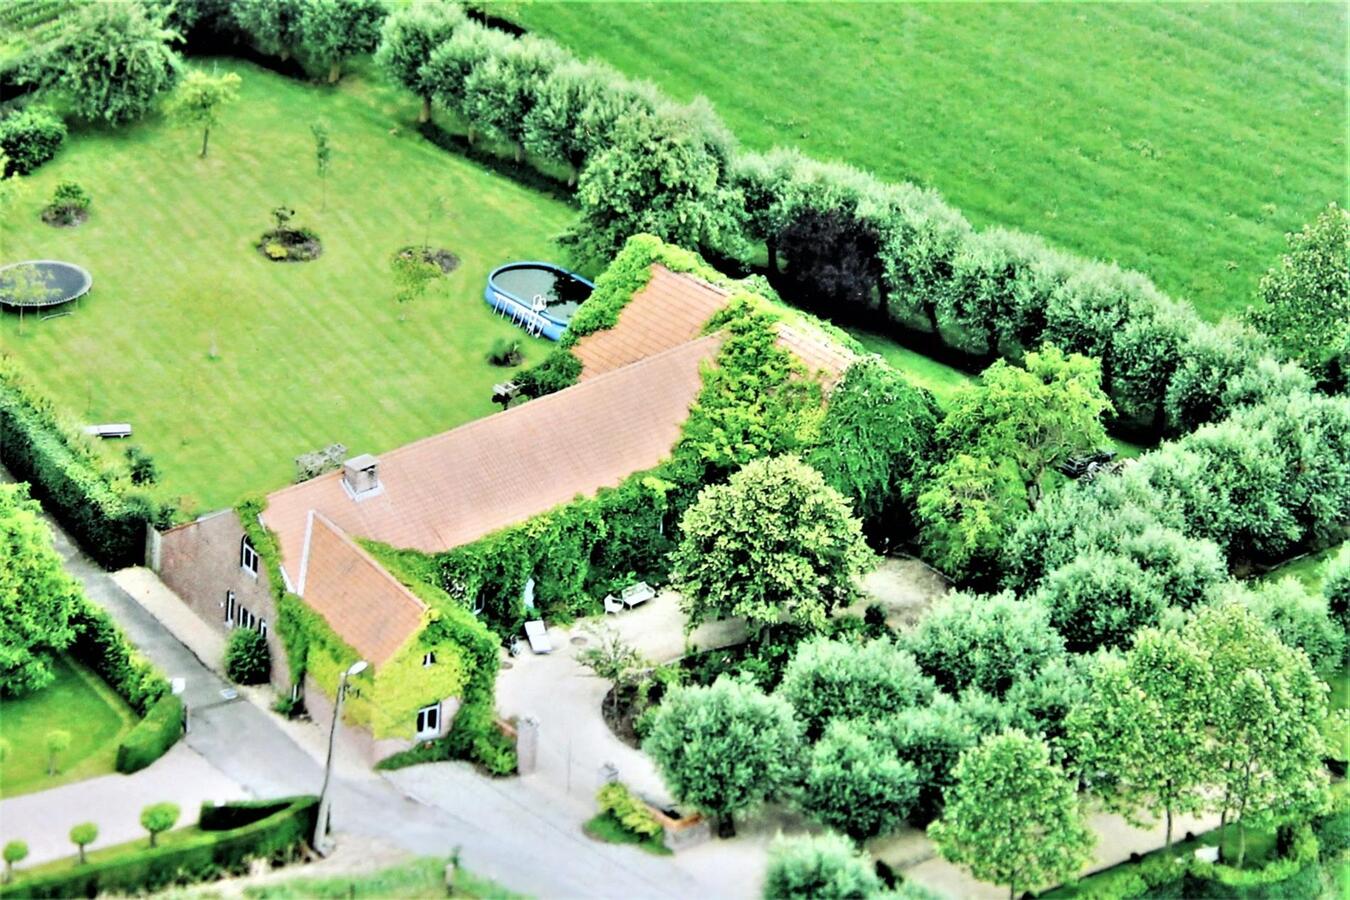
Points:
x=114 y=803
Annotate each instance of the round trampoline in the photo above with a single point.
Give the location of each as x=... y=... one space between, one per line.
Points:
x=42 y=284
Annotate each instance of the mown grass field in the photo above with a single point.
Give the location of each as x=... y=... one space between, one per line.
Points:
x=1180 y=140
x=78 y=703
x=309 y=353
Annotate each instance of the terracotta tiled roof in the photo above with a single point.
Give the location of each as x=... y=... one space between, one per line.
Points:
x=672 y=309
x=453 y=488
x=362 y=602
x=817 y=351
x=669 y=311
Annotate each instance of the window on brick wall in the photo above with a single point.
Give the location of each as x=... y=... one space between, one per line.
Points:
x=248 y=557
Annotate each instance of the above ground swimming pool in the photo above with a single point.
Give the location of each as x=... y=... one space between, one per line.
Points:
x=538 y=296
x=42 y=283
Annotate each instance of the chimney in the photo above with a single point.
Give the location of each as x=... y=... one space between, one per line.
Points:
x=361 y=475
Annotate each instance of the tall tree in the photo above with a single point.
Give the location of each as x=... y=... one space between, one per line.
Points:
x=1305 y=298
x=271 y=25
x=36 y=595
x=1265 y=711
x=1336 y=588
x=775 y=541
x=332 y=31
x=724 y=748
x=113 y=61
x=199 y=97
x=410 y=33
x=1012 y=817
x=1142 y=733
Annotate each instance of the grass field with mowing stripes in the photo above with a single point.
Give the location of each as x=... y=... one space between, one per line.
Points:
x=1182 y=140
x=309 y=353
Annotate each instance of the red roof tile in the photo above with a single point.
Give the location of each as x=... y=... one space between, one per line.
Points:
x=453 y=488
x=362 y=602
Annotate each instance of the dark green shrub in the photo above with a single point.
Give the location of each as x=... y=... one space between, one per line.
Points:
x=274 y=830
x=153 y=736
x=1333 y=829
x=67 y=478
x=504 y=352
x=141 y=465
x=247 y=659
x=29 y=138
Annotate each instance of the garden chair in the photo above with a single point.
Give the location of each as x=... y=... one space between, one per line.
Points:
x=612 y=605
x=538 y=636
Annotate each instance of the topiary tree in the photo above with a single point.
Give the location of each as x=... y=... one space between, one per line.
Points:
x=724 y=748
x=83 y=835
x=453 y=61
x=1300 y=618
x=931 y=739
x=332 y=31
x=856 y=785
x=1305 y=299
x=1012 y=817
x=575 y=111
x=1100 y=600
x=57 y=742
x=199 y=98
x=113 y=61
x=15 y=852
x=37 y=597
x=499 y=94
x=409 y=35
x=774 y=542
x=819 y=867
x=828 y=680
x=159 y=817
x=247 y=658
x=984 y=642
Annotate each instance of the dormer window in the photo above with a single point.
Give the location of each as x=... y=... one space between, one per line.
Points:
x=248 y=557
x=428 y=660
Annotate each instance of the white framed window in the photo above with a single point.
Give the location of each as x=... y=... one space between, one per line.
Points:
x=429 y=720
x=248 y=557
x=231 y=607
x=428 y=660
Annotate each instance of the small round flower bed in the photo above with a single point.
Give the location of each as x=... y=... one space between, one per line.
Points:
x=443 y=259
x=290 y=245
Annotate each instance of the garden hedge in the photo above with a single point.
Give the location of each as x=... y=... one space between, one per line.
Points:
x=230 y=837
x=102 y=646
x=30 y=138
x=153 y=735
x=97 y=507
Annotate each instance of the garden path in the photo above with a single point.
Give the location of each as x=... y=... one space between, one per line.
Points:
x=113 y=802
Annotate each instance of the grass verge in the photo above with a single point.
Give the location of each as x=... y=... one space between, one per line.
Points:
x=604 y=827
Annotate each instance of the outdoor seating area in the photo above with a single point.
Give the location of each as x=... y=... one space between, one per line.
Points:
x=630 y=597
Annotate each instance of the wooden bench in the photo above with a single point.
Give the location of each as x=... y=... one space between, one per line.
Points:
x=113 y=430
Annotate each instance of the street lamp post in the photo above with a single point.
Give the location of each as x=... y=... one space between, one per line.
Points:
x=321 y=845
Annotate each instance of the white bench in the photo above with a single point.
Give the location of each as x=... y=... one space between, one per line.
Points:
x=113 y=430
x=636 y=593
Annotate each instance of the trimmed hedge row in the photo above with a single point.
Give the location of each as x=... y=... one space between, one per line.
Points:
x=102 y=646
x=96 y=505
x=231 y=836
x=153 y=735
x=855 y=245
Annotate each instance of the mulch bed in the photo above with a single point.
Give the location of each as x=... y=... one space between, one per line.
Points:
x=622 y=722
x=444 y=259
x=64 y=217
x=300 y=245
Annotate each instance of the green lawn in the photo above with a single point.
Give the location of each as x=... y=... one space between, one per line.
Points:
x=309 y=353
x=78 y=702
x=1180 y=140
x=1309 y=569
x=605 y=827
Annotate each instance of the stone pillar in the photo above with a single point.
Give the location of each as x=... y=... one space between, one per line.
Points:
x=527 y=745
x=152 y=544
